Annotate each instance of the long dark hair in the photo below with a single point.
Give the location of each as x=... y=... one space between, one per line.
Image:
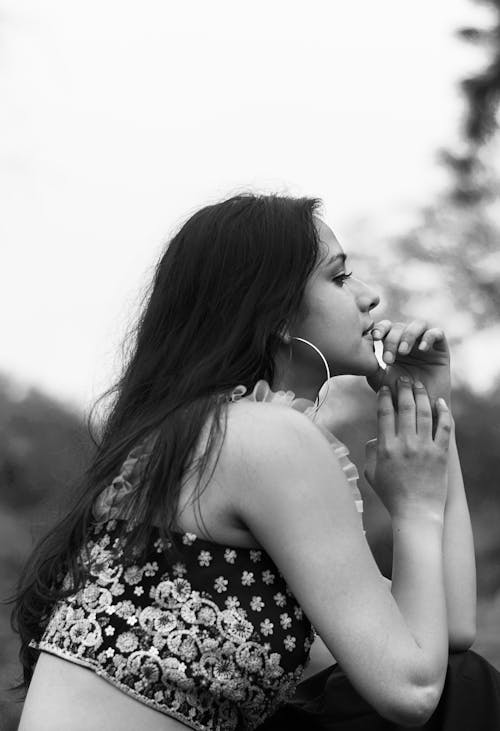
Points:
x=226 y=283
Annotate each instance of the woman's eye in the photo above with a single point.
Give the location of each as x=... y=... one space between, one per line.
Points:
x=342 y=277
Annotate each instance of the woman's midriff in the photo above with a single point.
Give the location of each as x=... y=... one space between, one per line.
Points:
x=64 y=696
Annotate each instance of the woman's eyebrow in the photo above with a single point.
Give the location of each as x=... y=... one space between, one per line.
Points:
x=334 y=259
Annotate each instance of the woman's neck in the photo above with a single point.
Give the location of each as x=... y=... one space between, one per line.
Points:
x=302 y=381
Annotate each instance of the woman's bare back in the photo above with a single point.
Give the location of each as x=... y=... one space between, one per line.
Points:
x=65 y=696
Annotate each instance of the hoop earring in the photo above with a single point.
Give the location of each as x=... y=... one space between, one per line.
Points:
x=328 y=376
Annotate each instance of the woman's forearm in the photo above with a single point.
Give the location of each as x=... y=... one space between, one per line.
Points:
x=418 y=588
x=458 y=558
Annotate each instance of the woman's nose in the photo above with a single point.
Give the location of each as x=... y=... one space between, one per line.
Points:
x=368 y=298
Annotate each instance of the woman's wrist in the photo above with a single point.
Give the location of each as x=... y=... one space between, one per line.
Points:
x=414 y=513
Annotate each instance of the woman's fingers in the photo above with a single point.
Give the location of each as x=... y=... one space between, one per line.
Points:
x=410 y=335
x=443 y=429
x=381 y=328
x=431 y=336
x=391 y=341
x=400 y=338
x=406 y=407
x=414 y=409
x=386 y=423
x=414 y=413
x=423 y=410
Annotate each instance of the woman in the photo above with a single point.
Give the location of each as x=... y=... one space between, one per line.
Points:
x=162 y=603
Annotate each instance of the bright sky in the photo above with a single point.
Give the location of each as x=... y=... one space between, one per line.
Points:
x=119 y=119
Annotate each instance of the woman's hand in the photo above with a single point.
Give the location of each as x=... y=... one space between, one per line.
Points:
x=405 y=464
x=431 y=365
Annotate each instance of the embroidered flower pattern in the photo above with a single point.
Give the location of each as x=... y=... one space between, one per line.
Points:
x=150 y=569
x=280 y=599
x=159 y=545
x=266 y=627
x=256 y=604
x=255 y=556
x=197 y=654
x=204 y=558
x=268 y=577
x=285 y=620
x=179 y=569
x=247 y=578
x=230 y=555
x=220 y=584
x=183 y=644
x=308 y=642
x=232 y=602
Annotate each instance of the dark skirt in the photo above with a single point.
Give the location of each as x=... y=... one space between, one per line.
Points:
x=328 y=702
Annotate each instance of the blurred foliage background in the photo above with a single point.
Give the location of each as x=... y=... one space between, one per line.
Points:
x=449 y=263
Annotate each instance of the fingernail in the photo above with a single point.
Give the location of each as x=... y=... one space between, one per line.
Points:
x=405 y=379
x=423 y=345
x=376 y=333
x=403 y=348
x=388 y=357
x=418 y=384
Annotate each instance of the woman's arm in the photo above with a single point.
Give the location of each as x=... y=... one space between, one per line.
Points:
x=459 y=565
x=432 y=367
x=458 y=558
x=293 y=495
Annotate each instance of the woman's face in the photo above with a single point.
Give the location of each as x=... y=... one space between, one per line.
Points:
x=335 y=312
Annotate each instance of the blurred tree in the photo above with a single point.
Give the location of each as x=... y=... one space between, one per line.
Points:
x=460 y=231
x=482 y=90
x=43 y=445
x=44 y=448
x=447 y=268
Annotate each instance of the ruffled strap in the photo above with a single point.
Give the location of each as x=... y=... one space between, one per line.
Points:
x=262 y=392
x=109 y=504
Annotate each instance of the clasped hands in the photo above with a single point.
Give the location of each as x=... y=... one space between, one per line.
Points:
x=414 y=350
x=410 y=349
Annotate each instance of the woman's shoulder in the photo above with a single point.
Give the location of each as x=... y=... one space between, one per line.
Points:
x=274 y=436
x=262 y=423
x=265 y=440
x=282 y=414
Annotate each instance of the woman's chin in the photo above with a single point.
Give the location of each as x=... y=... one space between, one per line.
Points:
x=366 y=366
x=361 y=367
x=365 y=363
x=368 y=369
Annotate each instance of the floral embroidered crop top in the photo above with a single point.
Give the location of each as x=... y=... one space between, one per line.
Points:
x=214 y=638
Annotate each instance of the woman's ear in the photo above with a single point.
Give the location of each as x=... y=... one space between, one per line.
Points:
x=284 y=335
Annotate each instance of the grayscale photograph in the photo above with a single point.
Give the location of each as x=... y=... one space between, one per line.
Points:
x=250 y=365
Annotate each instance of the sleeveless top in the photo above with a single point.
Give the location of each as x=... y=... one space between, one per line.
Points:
x=210 y=635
